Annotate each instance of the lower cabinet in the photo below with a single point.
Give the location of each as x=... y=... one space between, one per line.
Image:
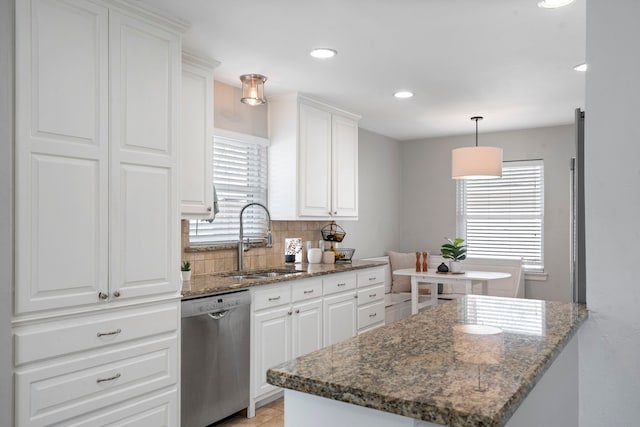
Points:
x=339 y=317
x=371 y=312
x=90 y=369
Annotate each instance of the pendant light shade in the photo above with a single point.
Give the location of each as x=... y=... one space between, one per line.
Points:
x=253 y=89
x=476 y=162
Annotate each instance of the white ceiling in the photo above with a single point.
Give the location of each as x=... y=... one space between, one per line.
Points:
x=506 y=60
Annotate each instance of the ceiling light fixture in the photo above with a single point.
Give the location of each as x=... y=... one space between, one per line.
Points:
x=581 y=67
x=476 y=162
x=323 y=53
x=253 y=89
x=553 y=4
x=403 y=94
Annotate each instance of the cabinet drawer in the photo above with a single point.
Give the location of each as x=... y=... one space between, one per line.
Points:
x=57 y=338
x=306 y=289
x=272 y=297
x=370 y=277
x=338 y=283
x=93 y=380
x=370 y=314
x=370 y=294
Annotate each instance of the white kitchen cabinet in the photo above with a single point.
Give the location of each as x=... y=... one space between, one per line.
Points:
x=196 y=137
x=371 y=310
x=313 y=146
x=97 y=89
x=339 y=307
x=287 y=323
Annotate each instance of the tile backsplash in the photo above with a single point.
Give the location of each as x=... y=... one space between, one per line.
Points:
x=207 y=260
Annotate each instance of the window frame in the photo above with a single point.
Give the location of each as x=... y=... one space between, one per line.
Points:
x=462 y=216
x=252 y=217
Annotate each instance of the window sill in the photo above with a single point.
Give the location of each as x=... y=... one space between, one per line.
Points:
x=535 y=277
x=221 y=247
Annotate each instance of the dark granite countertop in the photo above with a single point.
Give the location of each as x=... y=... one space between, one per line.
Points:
x=206 y=284
x=410 y=367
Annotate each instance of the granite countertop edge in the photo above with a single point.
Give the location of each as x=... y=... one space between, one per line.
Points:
x=202 y=285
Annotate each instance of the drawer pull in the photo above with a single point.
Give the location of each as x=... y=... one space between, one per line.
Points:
x=342 y=284
x=308 y=292
x=372 y=295
x=373 y=315
x=102 y=380
x=102 y=334
x=102 y=295
x=372 y=278
x=274 y=298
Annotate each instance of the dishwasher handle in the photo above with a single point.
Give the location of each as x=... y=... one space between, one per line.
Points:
x=218 y=315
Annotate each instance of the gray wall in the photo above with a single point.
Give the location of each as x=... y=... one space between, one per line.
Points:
x=6 y=208
x=376 y=230
x=231 y=114
x=429 y=203
x=610 y=340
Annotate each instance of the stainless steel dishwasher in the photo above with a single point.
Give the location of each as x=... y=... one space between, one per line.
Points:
x=215 y=357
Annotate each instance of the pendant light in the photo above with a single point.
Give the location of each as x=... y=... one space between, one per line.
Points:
x=476 y=162
x=253 y=89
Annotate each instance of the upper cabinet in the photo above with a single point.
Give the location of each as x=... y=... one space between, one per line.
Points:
x=196 y=137
x=97 y=86
x=313 y=160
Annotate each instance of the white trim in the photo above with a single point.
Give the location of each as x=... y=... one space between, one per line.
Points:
x=245 y=137
x=536 y=277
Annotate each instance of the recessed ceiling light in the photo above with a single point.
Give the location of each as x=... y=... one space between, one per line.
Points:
x=552 y=4
x=403 y=94
x=323 y=53
x=580 y=67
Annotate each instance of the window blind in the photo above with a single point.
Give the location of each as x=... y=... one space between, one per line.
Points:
x=504 y=218
x=240 y=177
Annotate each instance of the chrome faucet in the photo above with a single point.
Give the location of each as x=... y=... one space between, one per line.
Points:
x=241 y=246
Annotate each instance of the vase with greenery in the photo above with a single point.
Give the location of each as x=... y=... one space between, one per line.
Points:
x=185 y=270
x=455 y=251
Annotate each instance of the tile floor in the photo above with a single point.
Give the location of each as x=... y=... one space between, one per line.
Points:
x=271 y=415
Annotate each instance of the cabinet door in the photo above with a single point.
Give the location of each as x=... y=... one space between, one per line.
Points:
x=339 y=317
x=307 y=327
x=272 y=344
x=145 y=74
x=196 y=141
x=314 y=163
x=61 y=154
x=344 y=199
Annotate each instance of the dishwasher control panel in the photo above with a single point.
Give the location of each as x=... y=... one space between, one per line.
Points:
x=215 y=303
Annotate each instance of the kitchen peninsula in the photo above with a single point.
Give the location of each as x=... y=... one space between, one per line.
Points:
x=412 y=372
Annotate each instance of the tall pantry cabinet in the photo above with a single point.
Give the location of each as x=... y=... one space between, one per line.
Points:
x=96 y=313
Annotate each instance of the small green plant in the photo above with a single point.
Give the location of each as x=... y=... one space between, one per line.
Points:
x=186 y=266
x=454 y=250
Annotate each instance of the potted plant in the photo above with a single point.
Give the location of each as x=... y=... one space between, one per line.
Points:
x=454 y=251
x=185 y=270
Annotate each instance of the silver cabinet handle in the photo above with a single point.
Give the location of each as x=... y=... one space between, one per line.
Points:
x=116 y=294
x=102 y=334
x=342 y=284
x=274 y=298
x=372 y=295
x=209 y=209
x=373 y=315
x=289 y=312
x=372 y=278
x=297 y=311
x=102 y=295
x=308 y=292
x=101 y=380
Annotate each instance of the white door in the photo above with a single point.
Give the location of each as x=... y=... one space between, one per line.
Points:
x=314 y=163
x=145 y=74
x=196 y=141
x=307 y=327
x=61 y=154
x=339 y=317
x=272 y=344
x=344 y=199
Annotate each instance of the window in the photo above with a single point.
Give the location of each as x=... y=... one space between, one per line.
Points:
x=504 y=218
x=239 y=177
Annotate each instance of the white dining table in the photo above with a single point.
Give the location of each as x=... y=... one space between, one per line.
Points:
x=432 y=277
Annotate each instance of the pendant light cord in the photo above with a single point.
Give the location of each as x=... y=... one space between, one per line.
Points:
x=476 y=118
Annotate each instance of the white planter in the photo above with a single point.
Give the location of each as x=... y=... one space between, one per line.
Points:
x=455 y=266
x=186 y=275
